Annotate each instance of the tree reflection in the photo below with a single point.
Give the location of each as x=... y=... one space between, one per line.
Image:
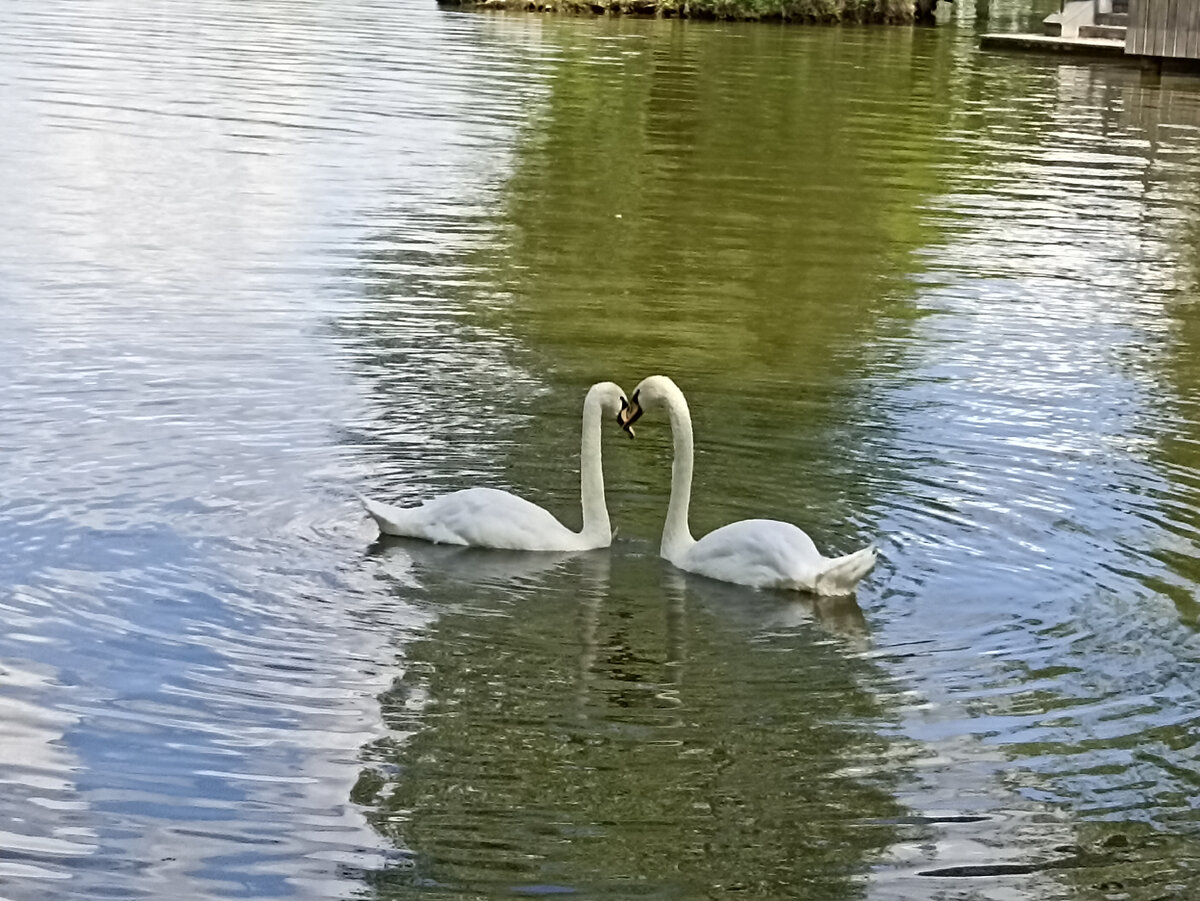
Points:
x=740 y=209
x=627 y=734
x=1167 y=113
x=707 y=203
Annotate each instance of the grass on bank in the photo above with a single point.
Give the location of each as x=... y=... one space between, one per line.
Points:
x=824 y=11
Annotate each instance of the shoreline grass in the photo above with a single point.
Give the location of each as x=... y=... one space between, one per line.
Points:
x=892 y=12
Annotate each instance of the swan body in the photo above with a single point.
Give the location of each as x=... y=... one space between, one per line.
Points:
x=761 y=553
x=491 y=518
x=477 y=517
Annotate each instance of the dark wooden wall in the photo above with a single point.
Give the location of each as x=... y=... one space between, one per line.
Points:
x=1168 y=28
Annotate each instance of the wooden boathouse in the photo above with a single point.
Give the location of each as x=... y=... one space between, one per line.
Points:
x=1164 y=29
x=1152 y=32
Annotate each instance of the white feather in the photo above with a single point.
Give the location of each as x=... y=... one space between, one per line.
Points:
x=763 y=553
x=491 y=518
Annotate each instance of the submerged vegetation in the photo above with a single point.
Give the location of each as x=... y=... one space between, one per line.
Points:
x=828 y=11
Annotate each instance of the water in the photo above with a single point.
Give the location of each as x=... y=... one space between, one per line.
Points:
x=256 y=256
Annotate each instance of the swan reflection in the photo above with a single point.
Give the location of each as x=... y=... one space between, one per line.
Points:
x=766 y=611
x=414 y=563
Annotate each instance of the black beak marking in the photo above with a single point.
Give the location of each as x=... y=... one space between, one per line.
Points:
x=630 y=412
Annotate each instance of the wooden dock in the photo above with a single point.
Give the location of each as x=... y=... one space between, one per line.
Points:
x=1142 y=31
x=1095 y=47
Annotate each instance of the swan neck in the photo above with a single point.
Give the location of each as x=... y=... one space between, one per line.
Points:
x=677 y=537
x=591 y=475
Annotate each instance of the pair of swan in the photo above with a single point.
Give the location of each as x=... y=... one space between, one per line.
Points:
x=761 y=553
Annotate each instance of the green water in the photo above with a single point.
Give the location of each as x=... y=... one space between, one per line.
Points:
x=255 y=257
x=917 y=296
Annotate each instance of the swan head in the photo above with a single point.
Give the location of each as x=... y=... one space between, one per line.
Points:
x=650 y=393
x=609 y=397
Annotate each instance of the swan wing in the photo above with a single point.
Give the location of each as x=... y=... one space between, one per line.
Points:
x=766 y=553
x=763 y=553
x=477 y=517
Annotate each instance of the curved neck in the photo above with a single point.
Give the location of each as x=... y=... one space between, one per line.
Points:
x=677 y=537
x=591 y=474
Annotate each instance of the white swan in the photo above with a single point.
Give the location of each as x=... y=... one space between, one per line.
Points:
x=763 y=553
x=488 y=517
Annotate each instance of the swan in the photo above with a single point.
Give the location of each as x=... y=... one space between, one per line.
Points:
x=762 y=553
x=490 y=518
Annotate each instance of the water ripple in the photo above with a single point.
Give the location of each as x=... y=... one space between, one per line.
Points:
x=256 y=255
x=191 y=651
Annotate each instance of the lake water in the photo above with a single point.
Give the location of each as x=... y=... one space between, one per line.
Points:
x=255 y=256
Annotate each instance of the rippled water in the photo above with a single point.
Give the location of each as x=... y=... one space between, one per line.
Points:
x=255 y=256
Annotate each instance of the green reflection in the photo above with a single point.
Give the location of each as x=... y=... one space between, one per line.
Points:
x=1167 y=112
x=743 y=208
x=628 y=734
x=1129 y=860
x=721 y=201
x=740 y=207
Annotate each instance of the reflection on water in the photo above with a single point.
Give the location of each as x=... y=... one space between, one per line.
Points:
x=35 y=772
x=184 y=580
x=416 y=563
x=570 y=734
x=1066 y=678
x=253 y=255
x=772 y=612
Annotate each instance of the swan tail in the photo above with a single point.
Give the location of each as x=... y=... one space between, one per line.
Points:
x=841 y=574
x=391 y=520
